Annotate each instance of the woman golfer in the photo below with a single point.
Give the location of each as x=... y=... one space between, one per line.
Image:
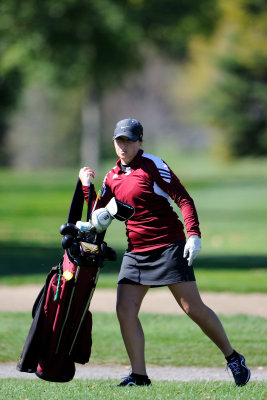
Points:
x=158 y=253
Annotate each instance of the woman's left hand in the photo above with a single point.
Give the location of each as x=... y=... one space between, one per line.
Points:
x=192 y=248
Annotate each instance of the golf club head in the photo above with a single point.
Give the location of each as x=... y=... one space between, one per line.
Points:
x=67 y=241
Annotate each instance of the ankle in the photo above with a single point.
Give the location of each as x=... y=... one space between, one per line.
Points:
x=139 y=376
x=232 y=357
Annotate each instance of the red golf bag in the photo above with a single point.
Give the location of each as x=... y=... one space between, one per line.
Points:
x=60 y=334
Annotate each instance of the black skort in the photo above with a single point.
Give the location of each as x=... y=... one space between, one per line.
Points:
x=161 y=267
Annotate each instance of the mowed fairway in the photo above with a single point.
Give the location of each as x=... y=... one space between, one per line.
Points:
x=170 y=340
x=19 y=389
x=182 y=344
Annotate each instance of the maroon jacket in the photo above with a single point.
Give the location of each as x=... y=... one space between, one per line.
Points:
x=149 y=185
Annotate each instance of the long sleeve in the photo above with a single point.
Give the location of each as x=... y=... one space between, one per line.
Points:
x=169 y=183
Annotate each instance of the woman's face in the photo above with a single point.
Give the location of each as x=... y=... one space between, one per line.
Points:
x=126 y=149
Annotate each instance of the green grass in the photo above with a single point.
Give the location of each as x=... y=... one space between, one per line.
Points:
x=237 y=281
x=212 y=280
x=230 y=199
x=19 y=389
x=30 y=265
x=182 y=344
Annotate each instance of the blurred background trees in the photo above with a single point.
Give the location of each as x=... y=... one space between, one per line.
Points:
x=69 y=69
x=228 y=76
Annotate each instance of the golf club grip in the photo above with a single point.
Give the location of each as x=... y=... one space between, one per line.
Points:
x=90 y=200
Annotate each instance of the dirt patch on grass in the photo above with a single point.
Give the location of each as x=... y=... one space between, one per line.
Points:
x=21 y=298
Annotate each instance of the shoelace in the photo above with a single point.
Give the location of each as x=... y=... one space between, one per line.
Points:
x=126 y=378
x=234 y=367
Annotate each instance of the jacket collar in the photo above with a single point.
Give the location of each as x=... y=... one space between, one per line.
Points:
x=134 y=163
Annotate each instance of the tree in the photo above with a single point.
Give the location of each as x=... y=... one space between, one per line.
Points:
x=10 y=88
x=95 y=43
x=232 y=77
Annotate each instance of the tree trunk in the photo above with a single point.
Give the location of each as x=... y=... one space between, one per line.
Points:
x=91 y=131
x=4 y=161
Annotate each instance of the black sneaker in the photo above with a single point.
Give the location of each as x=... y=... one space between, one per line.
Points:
x=239 y=370
x=132 y=380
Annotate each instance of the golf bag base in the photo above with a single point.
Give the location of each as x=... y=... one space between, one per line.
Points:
x=60 y=334
x=56 y=369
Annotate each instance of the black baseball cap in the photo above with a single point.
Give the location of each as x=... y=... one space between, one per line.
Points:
x=131 y=128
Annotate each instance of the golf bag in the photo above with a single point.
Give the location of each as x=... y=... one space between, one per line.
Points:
x=60 y=334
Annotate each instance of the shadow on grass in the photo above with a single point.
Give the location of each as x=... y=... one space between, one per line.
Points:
x=231 y=262
x=27 y=260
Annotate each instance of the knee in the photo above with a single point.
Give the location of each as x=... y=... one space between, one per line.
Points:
x=194 y=311
x=121 y=312
x=125 y=312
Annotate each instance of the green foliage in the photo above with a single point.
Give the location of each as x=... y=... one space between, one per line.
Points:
x=238 y=106
x=170 y=24
x=98 y=40
x=232 y=75
x=78 y=39
x=101 y=38
x=91 y=45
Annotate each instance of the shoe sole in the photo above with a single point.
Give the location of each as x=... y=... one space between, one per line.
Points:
x=248 y=378
x=133 y=384
x=244 y=366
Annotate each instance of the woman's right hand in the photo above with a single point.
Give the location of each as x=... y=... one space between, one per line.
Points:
x=85 y=175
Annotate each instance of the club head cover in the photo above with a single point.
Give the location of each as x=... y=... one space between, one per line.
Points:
x=120 y=210
x=69 y=229
x=67 y=241
x=101 y=219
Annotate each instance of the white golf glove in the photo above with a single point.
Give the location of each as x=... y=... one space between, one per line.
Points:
x=192 y=248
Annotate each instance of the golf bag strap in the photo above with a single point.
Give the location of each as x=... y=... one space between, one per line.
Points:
x=76 y=206
x=90 y=201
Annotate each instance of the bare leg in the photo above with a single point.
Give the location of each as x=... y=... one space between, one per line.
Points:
x=188 y=297
x=129 y=300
